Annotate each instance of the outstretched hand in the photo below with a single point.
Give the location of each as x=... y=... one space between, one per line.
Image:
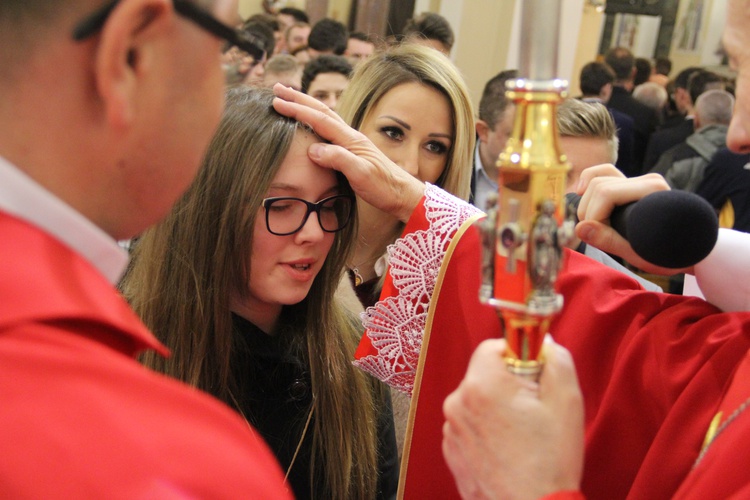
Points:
x=602 y=188
x=507 y=437
x=374 y=177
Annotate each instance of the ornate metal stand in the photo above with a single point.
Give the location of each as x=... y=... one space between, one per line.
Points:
x=525 y=230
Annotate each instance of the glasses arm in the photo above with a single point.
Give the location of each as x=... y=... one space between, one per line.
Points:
x=244 y=41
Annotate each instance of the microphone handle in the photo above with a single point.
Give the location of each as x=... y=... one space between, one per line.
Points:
x=617 y=219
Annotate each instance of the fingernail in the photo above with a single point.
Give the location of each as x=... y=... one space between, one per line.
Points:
x=316 y=151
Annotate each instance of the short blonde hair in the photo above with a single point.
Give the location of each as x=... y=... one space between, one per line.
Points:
x=576 y=118
x=409 y=62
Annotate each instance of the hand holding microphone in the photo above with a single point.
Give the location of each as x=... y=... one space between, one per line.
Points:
x=667 y=231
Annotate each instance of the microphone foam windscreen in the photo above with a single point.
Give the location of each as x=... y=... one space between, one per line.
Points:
x=672 y=229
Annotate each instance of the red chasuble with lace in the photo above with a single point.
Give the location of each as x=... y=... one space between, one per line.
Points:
x=652 y=366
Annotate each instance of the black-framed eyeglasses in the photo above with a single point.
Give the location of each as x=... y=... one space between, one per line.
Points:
x=189 y=10
x=287 y=215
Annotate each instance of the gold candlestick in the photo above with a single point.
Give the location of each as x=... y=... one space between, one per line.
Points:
x=526 y=228
x=530 y=223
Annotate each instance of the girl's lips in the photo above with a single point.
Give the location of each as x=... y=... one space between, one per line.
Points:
x=301 y=270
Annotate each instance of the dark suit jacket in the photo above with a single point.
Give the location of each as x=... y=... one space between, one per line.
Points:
x=626 y=136
x=645 y=121
x=665 y=139
x=727 y=178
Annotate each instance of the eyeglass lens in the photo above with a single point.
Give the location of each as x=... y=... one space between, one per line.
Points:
x=288 y=215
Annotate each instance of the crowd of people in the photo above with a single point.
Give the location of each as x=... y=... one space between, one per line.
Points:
x=294 y=317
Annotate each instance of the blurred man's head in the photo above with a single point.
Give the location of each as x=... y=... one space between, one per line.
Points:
x=288 y=16
x=359 y=47
x=284 y=69
x=588 y=137
x=325 y=78
x=622 y=62
x=296 y=37
x=596 y=81
x=713 y=107
x=327 y=36
x=432 y=30
x=495 y=123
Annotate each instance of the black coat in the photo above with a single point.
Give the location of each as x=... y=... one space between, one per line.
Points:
x=645 y=121
x=274 y=395
x=727 y=179
x=665 y=139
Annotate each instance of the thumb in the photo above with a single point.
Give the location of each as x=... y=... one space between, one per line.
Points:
x=331 y=156
x=559 y=380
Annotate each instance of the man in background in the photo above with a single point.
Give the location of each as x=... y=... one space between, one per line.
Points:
x=494 y=126
x=596 y=81
x=645 y=119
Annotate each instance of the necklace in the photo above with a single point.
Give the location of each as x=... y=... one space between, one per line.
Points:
x=358 y=279
x=380 y=262
x=301 y=438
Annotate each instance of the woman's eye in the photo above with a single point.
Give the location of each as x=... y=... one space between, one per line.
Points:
x=394 y=133
x=279 y=207
x=437 y=148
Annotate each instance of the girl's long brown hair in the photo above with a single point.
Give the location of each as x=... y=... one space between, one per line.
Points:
x=185 y=269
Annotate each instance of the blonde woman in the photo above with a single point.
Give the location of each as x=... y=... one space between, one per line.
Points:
x=413 y=104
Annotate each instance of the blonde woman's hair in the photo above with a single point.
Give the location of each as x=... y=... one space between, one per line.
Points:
x=185 y=269
x=576 y=118
x=406 y=63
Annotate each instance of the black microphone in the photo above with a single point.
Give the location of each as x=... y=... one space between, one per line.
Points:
x=671 y=229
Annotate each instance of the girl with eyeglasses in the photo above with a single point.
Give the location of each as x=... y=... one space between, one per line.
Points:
x=239 y=283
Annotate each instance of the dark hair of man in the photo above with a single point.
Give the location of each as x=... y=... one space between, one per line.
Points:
x=324 y=64
x=431 y=26
x=699 y=82
x=493 y=102
x=328 y=34
x=683 y=77
x=594 y=76
x=662 y=66
x=263 y=31
x=621 y=61
x=362 y=37
x=299 y=15
x=642 y=71
x=267 y=19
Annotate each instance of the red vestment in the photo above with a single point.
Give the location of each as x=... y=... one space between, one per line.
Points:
x=80 y=418
x=652 y=367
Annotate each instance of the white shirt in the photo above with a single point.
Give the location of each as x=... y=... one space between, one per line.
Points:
x=23 y=198
x=483 y=185
x=723 y=278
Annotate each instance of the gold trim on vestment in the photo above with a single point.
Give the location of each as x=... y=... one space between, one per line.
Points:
x=423 y=352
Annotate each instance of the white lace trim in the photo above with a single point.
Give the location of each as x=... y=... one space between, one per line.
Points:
x=395 y=326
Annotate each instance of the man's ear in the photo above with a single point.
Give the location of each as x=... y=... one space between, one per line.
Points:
x=606 y=92
x=696 y=121
x=483 y=130
x=124 y=52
